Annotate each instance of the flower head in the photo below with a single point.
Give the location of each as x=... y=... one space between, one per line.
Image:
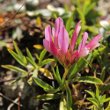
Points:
x=57 y=42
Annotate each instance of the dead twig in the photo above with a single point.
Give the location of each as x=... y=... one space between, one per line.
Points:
x=13 y=102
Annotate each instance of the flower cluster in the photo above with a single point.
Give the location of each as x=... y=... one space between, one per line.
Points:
x=57 y=42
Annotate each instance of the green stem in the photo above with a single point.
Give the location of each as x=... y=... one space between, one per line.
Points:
x=65 y=73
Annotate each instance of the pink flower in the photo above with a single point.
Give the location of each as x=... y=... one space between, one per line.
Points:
x=57 y=42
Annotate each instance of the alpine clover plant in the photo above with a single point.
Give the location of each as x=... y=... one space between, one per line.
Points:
x=70 y=55
x=68 y=52
x=57 y=42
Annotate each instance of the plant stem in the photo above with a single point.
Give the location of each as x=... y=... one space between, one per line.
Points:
x=65 y=73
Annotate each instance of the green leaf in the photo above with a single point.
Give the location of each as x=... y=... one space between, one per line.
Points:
x=57 y=75
x=88 y=8
x=46 y=61
x=43 y=85
x=76 y=68
x=20 y=59
x=103 y=72
x=97 y=93
x=37 y=56
x=90 y=93
x=89 y=79
x=16 y=69
x=102 y=98
x=42 y=54
x=81 y=15
x=17 y=49
x=31 y=59
x=94 y=101
x=48 y=96
x=68 y=98
x=107 y=99
x=68 y=23
x=29 y=54
x=98 y=51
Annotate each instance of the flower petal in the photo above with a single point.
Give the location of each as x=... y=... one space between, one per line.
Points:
x=53 y=32
x=63 y=40
x=82 y=50
x=54 y=37
x=50 y=47
x=75 y=35
x=58 y=25
x=46 y=45
x=48 y=35
x=74 y=56
x=56 y=30
x=83 y=42
x=94 y=42
x=53 y=49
